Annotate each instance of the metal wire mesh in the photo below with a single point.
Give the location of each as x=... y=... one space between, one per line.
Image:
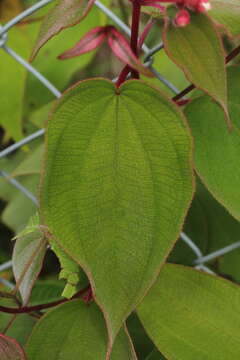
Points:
x=200 y=260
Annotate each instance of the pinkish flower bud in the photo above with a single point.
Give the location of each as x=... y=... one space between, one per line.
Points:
x=182 y=18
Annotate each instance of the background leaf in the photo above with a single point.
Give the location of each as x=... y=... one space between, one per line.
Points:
x=82 y=334
x=192 y=315
x=227 y=13
x=219 y=229
x=198 y=51
x=12 y=84
x=216 y=149
x=125 y=185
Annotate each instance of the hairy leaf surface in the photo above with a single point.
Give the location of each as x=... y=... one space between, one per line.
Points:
x=117 y=184
x=76 y=331
x=192 y=315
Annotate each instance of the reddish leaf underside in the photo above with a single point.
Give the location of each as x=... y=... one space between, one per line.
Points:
x=117 y=42
x=89 y=42
x=10 y=349
x=121 y=48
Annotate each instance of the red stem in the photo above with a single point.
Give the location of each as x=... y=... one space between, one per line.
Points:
x=28 y=309
x=136 y=10
x=123 y=75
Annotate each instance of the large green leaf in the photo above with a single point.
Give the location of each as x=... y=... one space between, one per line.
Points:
x=192 y=315
x=117 y=184
x=216 y=149
x=198 y=51
x=227 y=13
x=81 y=334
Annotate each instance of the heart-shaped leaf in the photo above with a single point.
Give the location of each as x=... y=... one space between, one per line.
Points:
x=81 y=334
x=10 y=349
x=117 y=184
x=197 y=49
x=227 y=13
x=65 y=14
x=192 y=315
x=216 y=149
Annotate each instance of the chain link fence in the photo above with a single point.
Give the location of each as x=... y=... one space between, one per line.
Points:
x=200 y=260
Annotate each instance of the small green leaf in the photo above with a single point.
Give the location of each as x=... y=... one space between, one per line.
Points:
x=216 y=149
x=197 y=49
x=65 y=14
x=227 y=13
x=28 y=255
x=192 y=315
x=10 y=349
x=76 y=331
x=59 y=73
x=118 y=181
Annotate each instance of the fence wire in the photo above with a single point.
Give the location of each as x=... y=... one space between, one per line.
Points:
x=200 y=259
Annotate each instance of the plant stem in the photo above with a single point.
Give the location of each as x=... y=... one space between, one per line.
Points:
x=28 y=309
x=136 y=10
x=123 y=75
